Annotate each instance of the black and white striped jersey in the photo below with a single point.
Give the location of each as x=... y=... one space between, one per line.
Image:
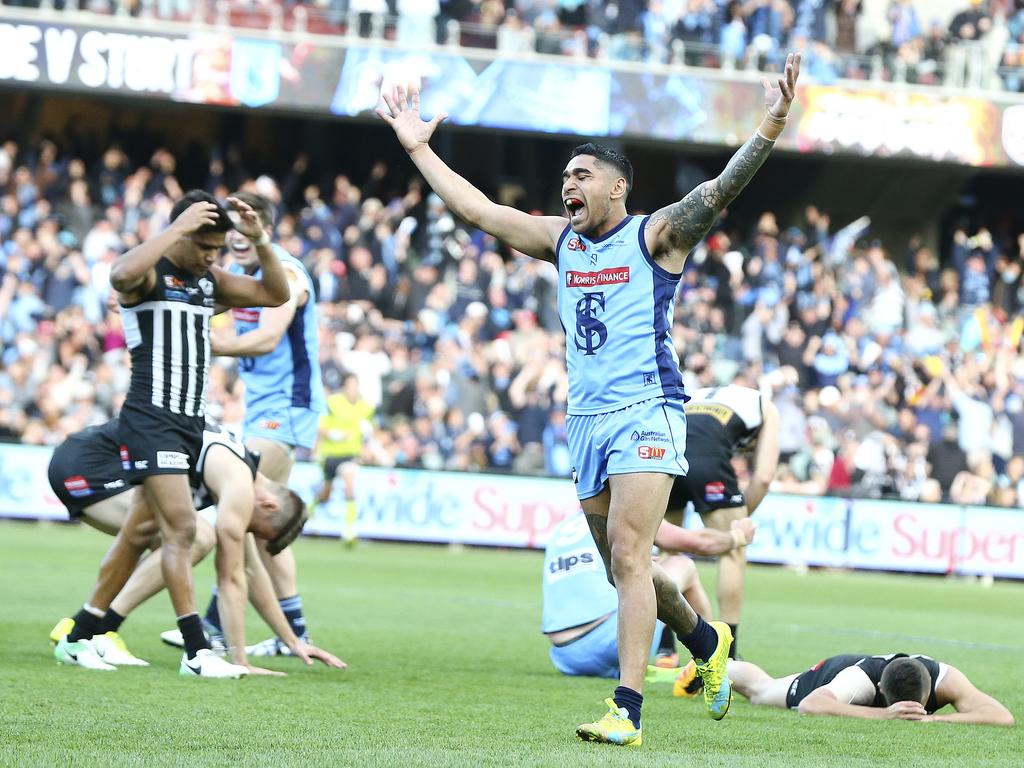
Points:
x=168 y=335
x=215 y=434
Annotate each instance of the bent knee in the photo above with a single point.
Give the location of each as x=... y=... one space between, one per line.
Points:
x=183 y=533
x=628 y=563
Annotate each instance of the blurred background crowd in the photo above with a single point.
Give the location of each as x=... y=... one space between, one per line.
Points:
x=972 y=43
x=905 y=383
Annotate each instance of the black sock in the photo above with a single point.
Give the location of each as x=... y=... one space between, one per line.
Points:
x=735 y=639
x=291 y=607
x=631 y=701
x=667 y=644
x=702 y=641
x=87 y=624
x=212 y=616
x=112 y=621
x=192 y=633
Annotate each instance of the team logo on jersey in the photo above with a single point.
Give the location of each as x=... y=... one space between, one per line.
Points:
x=126 y=462
x=591 y=333
x=113 y=485
x=650 y=452
x=206 y=286
x=576 y=244
x=246 y=315
x=610 y=276
x=714 y=492
x=270 y=424
x=174 y=283
x=78 y=486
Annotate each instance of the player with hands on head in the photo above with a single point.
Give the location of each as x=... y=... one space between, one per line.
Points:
x=893 y=686
x=617 y=279
x=169 y=288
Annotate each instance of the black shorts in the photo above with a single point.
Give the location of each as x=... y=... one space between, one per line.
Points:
x=80 y=475
x=821 y=674
x=331 y=464
x=158 y=442
x=710 y=483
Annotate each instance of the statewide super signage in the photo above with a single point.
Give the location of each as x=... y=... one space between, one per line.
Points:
x=513 y=511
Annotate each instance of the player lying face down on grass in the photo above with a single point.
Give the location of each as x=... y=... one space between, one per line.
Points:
x=168 y=289
x=894 y=686
x=617 y=279
x=87 y=475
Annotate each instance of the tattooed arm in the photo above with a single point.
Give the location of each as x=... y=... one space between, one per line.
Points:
x=672 y=232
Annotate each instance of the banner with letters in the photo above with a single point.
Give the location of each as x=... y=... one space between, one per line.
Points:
x=512 y=511
x=342 y=77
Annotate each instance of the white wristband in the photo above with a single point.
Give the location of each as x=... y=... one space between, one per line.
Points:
x=264 y=239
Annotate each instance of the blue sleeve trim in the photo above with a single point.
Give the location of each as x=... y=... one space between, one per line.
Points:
x=659 y=270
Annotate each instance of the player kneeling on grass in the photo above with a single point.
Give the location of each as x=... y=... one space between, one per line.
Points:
x=227 y=476
x=890 y=687
x=580 y=614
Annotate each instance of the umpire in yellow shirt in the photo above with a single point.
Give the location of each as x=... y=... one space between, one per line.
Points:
x=342 y=430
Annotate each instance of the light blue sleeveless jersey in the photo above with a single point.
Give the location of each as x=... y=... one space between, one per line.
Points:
x=289 y=376
x=576 y=588
x=616 y=308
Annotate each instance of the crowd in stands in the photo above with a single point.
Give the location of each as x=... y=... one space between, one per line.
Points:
x=899 y=383
x=973 y=43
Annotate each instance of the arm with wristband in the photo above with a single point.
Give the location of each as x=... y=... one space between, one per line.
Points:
x=672 y=232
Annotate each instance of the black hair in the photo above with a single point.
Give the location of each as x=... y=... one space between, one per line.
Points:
x=223 y=222
x=608 y=156
x=260 y=204
x=904 y=679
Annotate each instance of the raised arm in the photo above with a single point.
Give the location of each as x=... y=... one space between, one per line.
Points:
x=262 y=340
x=271 y=289
x=673 y=231
x=536 y=236
x=133 y=273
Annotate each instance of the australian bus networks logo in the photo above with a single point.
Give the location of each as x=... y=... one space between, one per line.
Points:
x=610 y=276
x=572 y=562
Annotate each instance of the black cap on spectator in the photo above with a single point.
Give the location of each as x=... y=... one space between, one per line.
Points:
x=223 y=223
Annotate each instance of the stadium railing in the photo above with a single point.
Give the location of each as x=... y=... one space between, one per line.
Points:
x=965 y=65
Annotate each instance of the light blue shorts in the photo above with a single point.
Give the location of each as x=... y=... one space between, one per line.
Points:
x=596 y=654
x=649 y=436
x=297 y=427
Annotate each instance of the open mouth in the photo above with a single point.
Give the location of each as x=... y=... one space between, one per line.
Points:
x=574 y=206
x=239 y=246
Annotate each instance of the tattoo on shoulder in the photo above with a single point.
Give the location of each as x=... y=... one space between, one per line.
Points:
x=690 y=219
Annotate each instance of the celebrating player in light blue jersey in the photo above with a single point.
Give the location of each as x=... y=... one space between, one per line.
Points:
x=627 y=430
x=279 y=363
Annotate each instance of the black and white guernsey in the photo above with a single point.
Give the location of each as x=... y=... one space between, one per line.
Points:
x=168 y=335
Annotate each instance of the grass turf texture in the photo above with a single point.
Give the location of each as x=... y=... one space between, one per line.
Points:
x=447 y=667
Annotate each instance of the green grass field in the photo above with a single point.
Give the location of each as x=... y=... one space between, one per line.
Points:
x=447 y=667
